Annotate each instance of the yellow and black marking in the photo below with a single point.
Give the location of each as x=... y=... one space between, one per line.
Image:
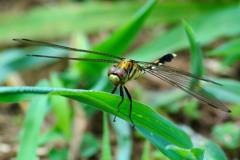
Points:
x=123 y=72
x=118 y=74
x=132 y=69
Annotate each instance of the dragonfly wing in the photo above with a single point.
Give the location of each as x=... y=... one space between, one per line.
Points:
x=39 y=43
x=182 y=80
x=77 y=59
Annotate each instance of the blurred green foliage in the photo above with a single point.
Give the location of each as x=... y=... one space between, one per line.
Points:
x=228 y=134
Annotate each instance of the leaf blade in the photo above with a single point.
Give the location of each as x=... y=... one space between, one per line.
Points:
x=143 y=116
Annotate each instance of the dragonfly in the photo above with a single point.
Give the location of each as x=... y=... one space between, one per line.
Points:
x=124 y=70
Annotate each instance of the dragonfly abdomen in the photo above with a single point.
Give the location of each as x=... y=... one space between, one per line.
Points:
x=166 y=58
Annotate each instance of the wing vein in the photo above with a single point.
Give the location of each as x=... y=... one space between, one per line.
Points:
x=174 y=77
x=64 y=47
x=78 y=59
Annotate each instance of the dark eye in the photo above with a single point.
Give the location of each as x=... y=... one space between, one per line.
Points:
x=111 y=70
x=121 y=73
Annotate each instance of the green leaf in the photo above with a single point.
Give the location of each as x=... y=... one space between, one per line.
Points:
x=228 y=92
x=164 y=98
x=89 y=146
x=227 y=134
x=228 y=50
x=209 y=24
x=198 y=153
x=14 y=60
x=144 y=117
x=213 y=151
x=235 y=111
x=128 y=32
x=231 y=59
x=106 y=149
x=120 y=40
x=196 y=53
x=51 y=136
x=191 y=154
x=18 y=94
x=191 y=110
x=124 y=141
x=58 y=153
x=93 y=16
x=146 y=151
x=61 y=108
x=161 y=144
x=33 y=122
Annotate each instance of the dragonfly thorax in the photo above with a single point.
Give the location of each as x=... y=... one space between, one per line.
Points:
x=124 y=71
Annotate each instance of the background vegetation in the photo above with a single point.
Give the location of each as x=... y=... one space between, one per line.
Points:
x=54 y=109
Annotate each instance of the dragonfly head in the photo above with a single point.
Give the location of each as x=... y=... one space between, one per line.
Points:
x=117 y=75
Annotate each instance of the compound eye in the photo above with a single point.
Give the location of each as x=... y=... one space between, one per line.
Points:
x=121 y=73
x=111 y=70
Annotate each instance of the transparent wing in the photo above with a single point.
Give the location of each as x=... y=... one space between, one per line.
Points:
x=182 y=80
x=64 y=47
x=77 y=59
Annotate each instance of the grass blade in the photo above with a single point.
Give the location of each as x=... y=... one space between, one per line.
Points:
x=119 y=42
x=196 y=52
x=33 y=122
x=106 y=149
x=61 y=108
x=205 y=25
x=124 y=141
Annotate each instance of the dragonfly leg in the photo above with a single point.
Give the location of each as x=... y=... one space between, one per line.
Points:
x=130 y=112
x=122 y=95
x=114 y=89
